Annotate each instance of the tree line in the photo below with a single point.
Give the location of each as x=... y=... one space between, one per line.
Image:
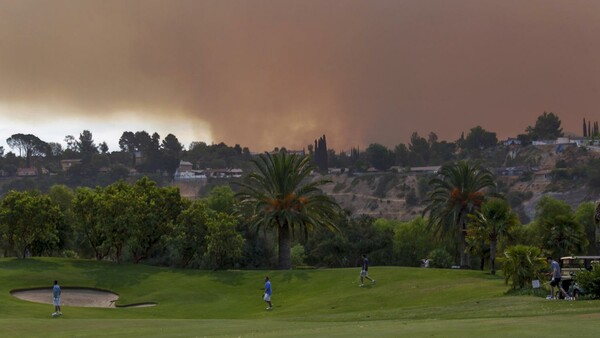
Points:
x=280 y=218
x=164 y=155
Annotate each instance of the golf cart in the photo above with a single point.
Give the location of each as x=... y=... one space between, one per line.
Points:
x=570 y=265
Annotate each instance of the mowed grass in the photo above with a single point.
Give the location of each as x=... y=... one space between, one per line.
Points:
x=409 y=302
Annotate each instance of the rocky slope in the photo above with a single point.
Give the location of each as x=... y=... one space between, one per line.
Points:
x=384 y=194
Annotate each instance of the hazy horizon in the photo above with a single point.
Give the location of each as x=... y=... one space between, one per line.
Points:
x=266 y=74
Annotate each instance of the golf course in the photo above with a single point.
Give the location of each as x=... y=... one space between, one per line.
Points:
x=410 y=302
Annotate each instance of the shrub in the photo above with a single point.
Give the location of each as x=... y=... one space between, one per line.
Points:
x=298 y=255
x=70 y=254
x=522 y=264
x=440 y=258
x=590 y=281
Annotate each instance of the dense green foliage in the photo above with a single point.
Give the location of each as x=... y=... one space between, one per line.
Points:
x=29 y=223
x=589 y=281
x=561 y=233
x=547 y=127
x=101 y=207
x=522 y=264
x=279 y=196
x=493 y=222
x=457 y=192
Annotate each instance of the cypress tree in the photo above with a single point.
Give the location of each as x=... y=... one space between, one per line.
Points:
x=584 y=128
x=320 y=155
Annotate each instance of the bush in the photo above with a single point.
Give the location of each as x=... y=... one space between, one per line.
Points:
x=522 y=264
x=298 y=255
x=440 y=258
x=590 y=281
x=70 y=254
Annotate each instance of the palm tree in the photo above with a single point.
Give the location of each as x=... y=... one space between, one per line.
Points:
x=456 y=192
x=281 y=196
x=521 y=265
x=494 y=220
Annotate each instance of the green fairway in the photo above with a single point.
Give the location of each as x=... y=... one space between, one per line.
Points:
x=318 y=303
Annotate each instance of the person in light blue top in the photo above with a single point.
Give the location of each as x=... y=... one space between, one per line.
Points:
x=56 y=292
x=268 y=292
x=555 y=281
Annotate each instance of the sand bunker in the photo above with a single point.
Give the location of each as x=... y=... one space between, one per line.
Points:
x=75 y=297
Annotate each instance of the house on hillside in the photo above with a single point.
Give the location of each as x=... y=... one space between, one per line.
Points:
x=425 y=170
x=511 y=141
x=542 y=175
x=224 y=173
x=511 y=171
x=185 y=166
x=560 y=140
x=185 y=172
x=236 y=172
x=67 y=164
x=29 y=172
x=595 y=149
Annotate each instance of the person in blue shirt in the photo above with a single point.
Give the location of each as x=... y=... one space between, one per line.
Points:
x=268 y=292
x=56 y=292
x=555 y=281
x=364 y=272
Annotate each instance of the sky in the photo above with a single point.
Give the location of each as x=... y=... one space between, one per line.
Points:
x=273 y=73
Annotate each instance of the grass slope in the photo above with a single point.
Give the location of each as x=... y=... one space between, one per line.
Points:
x=317 y=303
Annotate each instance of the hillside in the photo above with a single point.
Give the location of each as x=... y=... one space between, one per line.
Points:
x=384 y=194
x=375 y=194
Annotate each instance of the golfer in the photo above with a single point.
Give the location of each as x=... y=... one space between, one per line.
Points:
x=555 y=281
x=364 y=272
x=56 y=299
x=268 y=292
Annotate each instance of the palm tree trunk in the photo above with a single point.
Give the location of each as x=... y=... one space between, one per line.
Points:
x=493 y=257
x=464 y=256
x=285 y=256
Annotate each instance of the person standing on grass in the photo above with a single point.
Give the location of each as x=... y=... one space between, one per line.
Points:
x=56 y=292
x=268 y=292
x=364 y=272
x=555 y=281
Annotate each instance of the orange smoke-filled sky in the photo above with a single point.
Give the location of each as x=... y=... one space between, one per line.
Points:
x=272 y=73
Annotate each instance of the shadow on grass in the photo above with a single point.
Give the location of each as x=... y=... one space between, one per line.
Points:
x=288 y=276
x=31 y=264
x=231 y=277
x=112 y=275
